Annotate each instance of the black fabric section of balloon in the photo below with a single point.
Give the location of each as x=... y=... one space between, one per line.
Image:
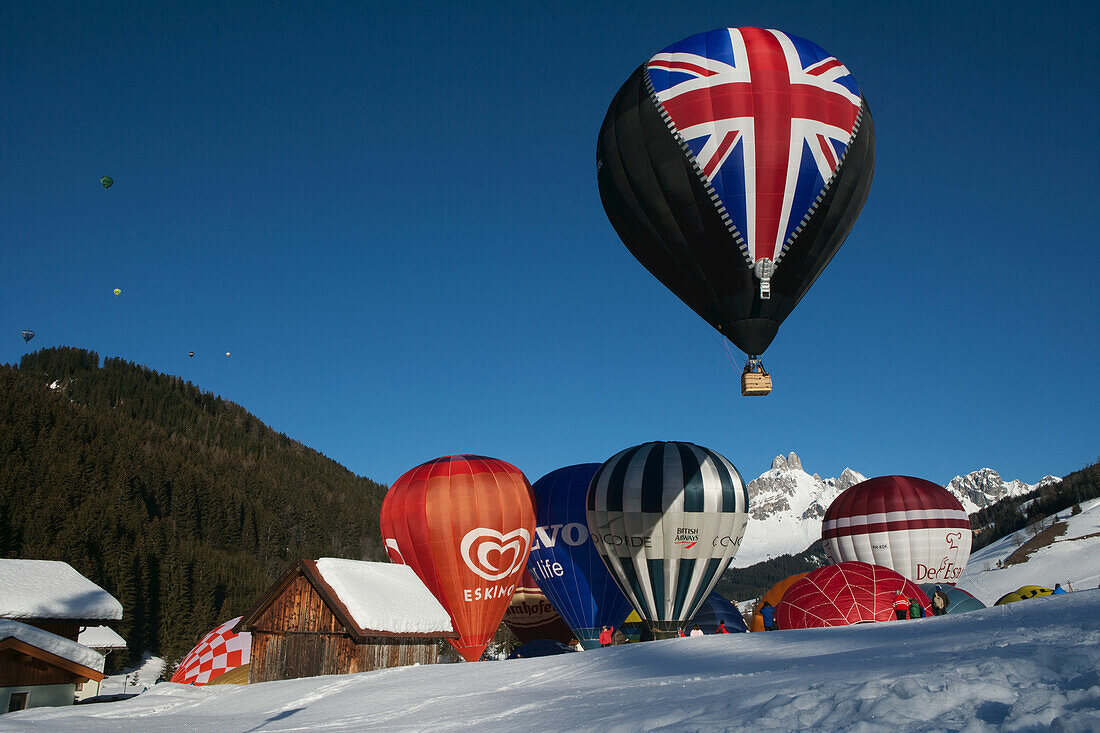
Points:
x=662 y=213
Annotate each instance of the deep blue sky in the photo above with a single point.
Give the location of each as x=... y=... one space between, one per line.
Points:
x=389 y=216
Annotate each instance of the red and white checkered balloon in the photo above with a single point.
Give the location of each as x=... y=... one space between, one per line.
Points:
x=219 y=651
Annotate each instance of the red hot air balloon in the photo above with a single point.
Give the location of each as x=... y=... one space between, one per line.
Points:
x=845 y=594
x=910 y=525
x=464 y=525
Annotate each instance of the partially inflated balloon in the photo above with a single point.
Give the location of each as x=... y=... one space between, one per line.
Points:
x=910 y=525
x=564 y=561
x=667 y=518
x=845 y=594
x=733 y=165
x=531 y=616
x=464 y=525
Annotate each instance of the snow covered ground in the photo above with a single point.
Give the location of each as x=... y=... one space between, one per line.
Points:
x=1073 y=559
x=1032 y=665
x=1021 y=667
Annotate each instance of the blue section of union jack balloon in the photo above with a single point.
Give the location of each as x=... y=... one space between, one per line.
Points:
x=766 y=117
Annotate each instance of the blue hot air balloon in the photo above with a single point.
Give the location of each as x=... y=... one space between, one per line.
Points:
x=564 y=561
x=716 y=609
x=28 y=335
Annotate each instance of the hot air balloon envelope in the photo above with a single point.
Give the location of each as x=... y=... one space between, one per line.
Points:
x=773 y=596
x=913 y=526
x=464 y=525
x=717 y=609
x=667 y=518
x=958 y=600
x=219 y=651
x=565 y=563
x=106 y=182
x=531 y=616
x=118 y=292
x=845 y=594
x=27 y=335
x=733 y=164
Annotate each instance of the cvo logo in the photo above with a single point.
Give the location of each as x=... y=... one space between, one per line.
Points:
x=493 y=555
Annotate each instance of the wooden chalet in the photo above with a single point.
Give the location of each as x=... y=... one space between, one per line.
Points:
x=39 y=668
x=334 y=616
x=44 y=607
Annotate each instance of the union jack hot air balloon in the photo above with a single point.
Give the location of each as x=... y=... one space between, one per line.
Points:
x=733 y=164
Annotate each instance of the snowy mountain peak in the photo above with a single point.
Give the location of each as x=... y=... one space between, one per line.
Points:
x=786 y=505
x=978 y=489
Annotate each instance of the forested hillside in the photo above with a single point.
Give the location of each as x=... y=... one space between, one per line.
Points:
x=181 y=504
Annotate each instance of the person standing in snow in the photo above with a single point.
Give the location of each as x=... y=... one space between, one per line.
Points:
x=696 y=631
x=915 y=610
x=940 y=602
x=1058 y=589
x=722 y=628
x=680 y=632
x=901 y=606
x=605 y=636
x=767 y=612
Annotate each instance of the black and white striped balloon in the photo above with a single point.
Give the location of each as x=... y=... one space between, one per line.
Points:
x=667 y=519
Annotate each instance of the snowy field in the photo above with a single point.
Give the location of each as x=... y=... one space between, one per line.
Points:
x=1022 y=667
x=1027 y=666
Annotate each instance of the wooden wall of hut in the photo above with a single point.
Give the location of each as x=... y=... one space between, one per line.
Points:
x=298 y=636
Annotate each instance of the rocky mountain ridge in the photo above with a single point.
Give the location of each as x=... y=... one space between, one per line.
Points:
x=787 y=504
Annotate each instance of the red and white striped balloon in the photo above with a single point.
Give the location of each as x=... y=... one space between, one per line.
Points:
x=912 y=526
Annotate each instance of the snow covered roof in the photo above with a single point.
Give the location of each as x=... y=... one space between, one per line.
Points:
x=382 y=596
x=52 y=589
x=101 y=637
x=57 y=645
x=367 y=598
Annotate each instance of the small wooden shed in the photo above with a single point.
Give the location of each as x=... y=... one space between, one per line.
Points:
x=334 y=616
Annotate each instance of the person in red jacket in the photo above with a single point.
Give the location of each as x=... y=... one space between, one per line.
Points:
x=901 y=606
x=722 y=628
x=605 y=635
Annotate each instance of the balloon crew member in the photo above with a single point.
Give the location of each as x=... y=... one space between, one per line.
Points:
x=940 y=601
x=767 y=612
x=915 y=610
x=680 y=632
x=696 y=631
x=1058 y=589
x=605 y=636
x=722 y=628
x=901 y=606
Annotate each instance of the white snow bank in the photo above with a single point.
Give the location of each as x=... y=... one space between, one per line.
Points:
x=1027 y=666
x=384 y=597
x=52 y=589
x=101 y=637
x=52 y=643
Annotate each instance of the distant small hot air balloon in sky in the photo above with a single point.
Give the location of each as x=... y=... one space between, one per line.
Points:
x=28 y=335
x=190 y=354
x=227 y=353
x=118 y=292
x=106 y=182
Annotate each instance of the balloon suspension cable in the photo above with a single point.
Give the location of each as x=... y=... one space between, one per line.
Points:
x=754 y=365
x=734 y=361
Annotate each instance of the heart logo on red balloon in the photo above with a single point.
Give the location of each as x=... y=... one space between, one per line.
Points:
x=493 y=555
